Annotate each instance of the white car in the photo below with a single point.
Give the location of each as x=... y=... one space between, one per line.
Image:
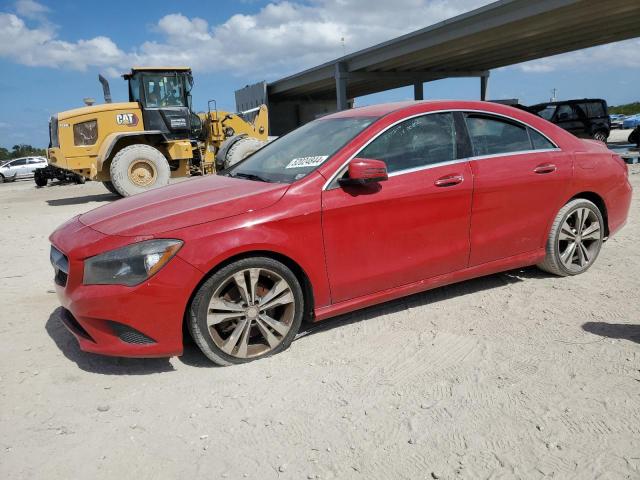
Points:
x=21 y=168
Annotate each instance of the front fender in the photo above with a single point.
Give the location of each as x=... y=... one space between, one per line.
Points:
x=112 y=139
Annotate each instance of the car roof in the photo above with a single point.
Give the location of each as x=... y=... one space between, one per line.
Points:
x=564 y=102
x=411 y=107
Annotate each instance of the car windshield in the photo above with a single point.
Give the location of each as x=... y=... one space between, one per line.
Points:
x=300 y=152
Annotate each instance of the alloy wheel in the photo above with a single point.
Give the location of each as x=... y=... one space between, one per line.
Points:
x=601 y=136
x=251 y=312
x=580 y=239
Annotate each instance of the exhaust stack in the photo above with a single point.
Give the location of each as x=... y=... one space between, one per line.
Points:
x=105 y=88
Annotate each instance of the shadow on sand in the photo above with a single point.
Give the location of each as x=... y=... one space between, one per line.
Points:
x=624 y=331
x=82 y=199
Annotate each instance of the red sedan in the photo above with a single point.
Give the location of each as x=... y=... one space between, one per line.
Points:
x=350 y=210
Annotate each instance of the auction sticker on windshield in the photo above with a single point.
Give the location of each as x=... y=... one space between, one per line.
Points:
x=303 y=162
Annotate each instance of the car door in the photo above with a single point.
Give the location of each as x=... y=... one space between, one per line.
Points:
x=520 y=179
x=567 y=118
x=18 y=168
x=411 y=227
x=33 y=164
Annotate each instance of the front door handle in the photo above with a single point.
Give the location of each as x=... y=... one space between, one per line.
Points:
x=449 y=180
x=545 y=168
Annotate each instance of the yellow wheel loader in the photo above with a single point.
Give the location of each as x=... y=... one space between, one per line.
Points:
x=138 y=145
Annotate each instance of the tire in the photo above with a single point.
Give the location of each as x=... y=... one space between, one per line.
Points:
x=80 y=180
x=109 y=186
x=240 y=150
x=562 y=259
x=138 y=168
x=41 y=180
x=245 y=321
x=601 y=136
x=2 y=179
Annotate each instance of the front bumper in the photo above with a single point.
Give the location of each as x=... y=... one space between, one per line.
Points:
x=140 y=321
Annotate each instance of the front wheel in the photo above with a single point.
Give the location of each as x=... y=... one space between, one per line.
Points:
x=40 y=179
x=247 y=310
x=109 y=186
x=138 y=168
x=575 y=239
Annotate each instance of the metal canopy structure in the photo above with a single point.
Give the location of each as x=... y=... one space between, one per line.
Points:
x=502 y=33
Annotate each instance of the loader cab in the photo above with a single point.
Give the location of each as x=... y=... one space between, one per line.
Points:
x=164 y=97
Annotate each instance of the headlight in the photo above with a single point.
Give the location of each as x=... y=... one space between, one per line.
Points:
x=130 y=265
x=85 y=133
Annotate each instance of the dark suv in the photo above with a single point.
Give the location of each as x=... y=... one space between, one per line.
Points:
x=586 y=118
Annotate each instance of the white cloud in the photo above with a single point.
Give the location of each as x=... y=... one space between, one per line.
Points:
x=620 y=54
x=40 y=47
x=31 y=9
x=281 y=38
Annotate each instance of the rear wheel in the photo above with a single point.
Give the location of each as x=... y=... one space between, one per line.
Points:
x=80 y=180
x=249 y=309
x=601 y=136
x=575 y=239
x=137 y=169
x=240 y=149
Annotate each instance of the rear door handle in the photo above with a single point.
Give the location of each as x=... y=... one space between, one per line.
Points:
x=449 y=180
x=545 y=168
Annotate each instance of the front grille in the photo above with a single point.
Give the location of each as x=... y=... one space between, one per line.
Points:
x=130 y=335
x=60 y=264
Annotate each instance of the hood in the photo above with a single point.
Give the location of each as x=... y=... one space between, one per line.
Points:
x=101 y=107
x=184 y=204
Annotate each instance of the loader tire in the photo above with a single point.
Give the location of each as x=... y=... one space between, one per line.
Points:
x=40 y=179
x=241 y=149
x=109 y=186
x=139 y=168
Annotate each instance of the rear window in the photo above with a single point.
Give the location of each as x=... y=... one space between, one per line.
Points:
x=539 y=141
x=491 y=135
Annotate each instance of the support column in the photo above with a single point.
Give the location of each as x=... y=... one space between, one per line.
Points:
x=484 y=86
x=341 y=86
x=418 y=91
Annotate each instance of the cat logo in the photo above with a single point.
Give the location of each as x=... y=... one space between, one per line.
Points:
x=129 y=119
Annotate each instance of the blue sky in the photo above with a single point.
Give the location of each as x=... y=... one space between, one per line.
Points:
x=52 y=51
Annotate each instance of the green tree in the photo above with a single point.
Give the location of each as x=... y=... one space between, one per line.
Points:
x=22 y=150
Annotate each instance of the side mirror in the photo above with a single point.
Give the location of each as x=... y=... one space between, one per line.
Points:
x=365 y=170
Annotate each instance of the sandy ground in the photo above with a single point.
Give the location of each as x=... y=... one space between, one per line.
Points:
x=619 y=135
x=516 y=375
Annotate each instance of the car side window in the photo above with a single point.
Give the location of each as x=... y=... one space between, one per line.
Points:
x=18 y=163
x=565 y=112
x=491 y=135
x=540 y=142
x=417 y=142
x=596 y=109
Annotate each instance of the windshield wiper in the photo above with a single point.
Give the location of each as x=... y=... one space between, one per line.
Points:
x=248 y=176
